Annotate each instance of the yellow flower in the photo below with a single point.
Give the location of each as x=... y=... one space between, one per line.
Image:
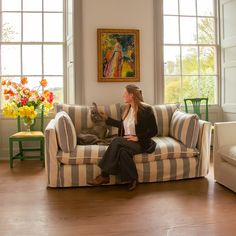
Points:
x=26 y=111
x=10 y=110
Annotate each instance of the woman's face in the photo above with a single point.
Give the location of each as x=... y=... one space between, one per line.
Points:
x=128 y=97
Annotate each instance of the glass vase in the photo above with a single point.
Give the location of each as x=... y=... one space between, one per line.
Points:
x=28 y=122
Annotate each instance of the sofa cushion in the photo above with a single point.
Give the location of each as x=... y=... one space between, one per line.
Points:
x=166 y=148
x=81 y=117
x=65 y=131
x=185 y=128
x=163 y=115
x=228 y=154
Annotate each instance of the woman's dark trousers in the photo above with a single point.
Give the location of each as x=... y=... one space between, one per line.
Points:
x=118 y=159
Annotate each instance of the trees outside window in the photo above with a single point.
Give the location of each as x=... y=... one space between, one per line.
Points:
x=190 y=55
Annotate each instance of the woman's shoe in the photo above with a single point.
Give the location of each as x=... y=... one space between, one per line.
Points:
x=132 y=185
x=99 y=180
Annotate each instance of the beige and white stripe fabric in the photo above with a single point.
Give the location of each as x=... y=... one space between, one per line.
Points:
x=163 y=115
x=65 y=130
x=185 y=128
x=166 y=148
x=155 y=171
x=81 y=117
x=170 y=161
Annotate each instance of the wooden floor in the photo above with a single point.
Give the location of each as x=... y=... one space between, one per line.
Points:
x=190 y=207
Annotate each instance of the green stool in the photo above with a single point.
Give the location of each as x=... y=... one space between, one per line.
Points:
x=196 y=105
x=23 y=136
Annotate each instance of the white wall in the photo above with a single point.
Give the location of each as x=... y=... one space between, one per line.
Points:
x=121 y=14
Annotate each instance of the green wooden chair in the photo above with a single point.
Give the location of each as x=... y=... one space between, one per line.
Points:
x=195 y=103
x=23 y=137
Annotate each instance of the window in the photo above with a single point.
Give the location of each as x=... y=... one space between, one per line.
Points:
x=190 y=50
x=32 y=42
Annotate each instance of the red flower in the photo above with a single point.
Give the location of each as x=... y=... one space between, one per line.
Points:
x=24 y=101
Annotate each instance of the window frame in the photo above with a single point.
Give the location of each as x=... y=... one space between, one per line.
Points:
x=42 y=43
x=198 y=45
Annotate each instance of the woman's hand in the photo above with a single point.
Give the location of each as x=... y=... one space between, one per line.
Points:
x=103 y=115
x=131 y=138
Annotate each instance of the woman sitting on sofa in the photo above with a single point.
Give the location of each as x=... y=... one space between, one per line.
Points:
x=137 y=127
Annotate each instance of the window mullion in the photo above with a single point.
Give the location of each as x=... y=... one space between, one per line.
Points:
x=42 y=45
x=22 y=30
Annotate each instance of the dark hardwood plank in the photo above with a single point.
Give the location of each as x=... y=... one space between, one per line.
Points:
x=186 y=207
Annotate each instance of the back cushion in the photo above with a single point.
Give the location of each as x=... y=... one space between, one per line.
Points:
x=163 y=115
x=81 y=117
x=185 y=128
x=65 y=131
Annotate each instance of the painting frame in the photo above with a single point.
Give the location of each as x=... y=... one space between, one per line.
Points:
x=118 y=55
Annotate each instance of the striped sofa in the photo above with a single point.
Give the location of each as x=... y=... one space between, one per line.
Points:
x=172 y=160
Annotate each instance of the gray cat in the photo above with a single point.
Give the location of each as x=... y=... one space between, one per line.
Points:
x=97 y=133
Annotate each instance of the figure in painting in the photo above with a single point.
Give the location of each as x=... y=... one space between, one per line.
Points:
x=113 y=63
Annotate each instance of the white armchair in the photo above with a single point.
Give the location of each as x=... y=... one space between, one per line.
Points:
x=224 y=154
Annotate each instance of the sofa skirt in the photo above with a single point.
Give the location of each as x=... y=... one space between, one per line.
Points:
x=156 y=171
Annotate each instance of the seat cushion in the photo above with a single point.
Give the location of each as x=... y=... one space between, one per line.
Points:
x=166 y=147
x=185 y=128
x=65 y=130
x=228 y=154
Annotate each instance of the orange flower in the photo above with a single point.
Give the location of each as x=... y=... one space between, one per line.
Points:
x=14 y=85
x=24 y=80
x=9 y=92
x=8 y=83
x=3 y=82
x=26 y=91
x=43 y=83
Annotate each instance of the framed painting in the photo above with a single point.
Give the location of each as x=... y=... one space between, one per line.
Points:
x=118 y=55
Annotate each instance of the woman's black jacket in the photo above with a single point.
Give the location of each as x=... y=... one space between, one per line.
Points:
x=145 y=128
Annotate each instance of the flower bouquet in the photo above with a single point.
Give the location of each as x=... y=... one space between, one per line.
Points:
x=24 y=102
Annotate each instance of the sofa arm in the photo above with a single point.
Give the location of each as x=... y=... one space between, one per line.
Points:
x=224 y=134
x=51 y=149
x=204 y=145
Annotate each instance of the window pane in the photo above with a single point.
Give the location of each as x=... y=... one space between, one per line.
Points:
x=205 y=7
x=11 y=27
x=50 y=5
x=172 y=89
x=189 y=61
x=187 y=7
x=53 y=63
x=208 y=88
x=172 y=60
x=170 y=7
x=188 y=33
x=190 y=86
x=32 y=59
x=206 y=31
x=34 y=82
x=55 y=84
x=53 y=27
x=207 y=61
x=32 y=32
x=11 y=5
x=171 y=36
x=35 y=5
x=10 y=58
